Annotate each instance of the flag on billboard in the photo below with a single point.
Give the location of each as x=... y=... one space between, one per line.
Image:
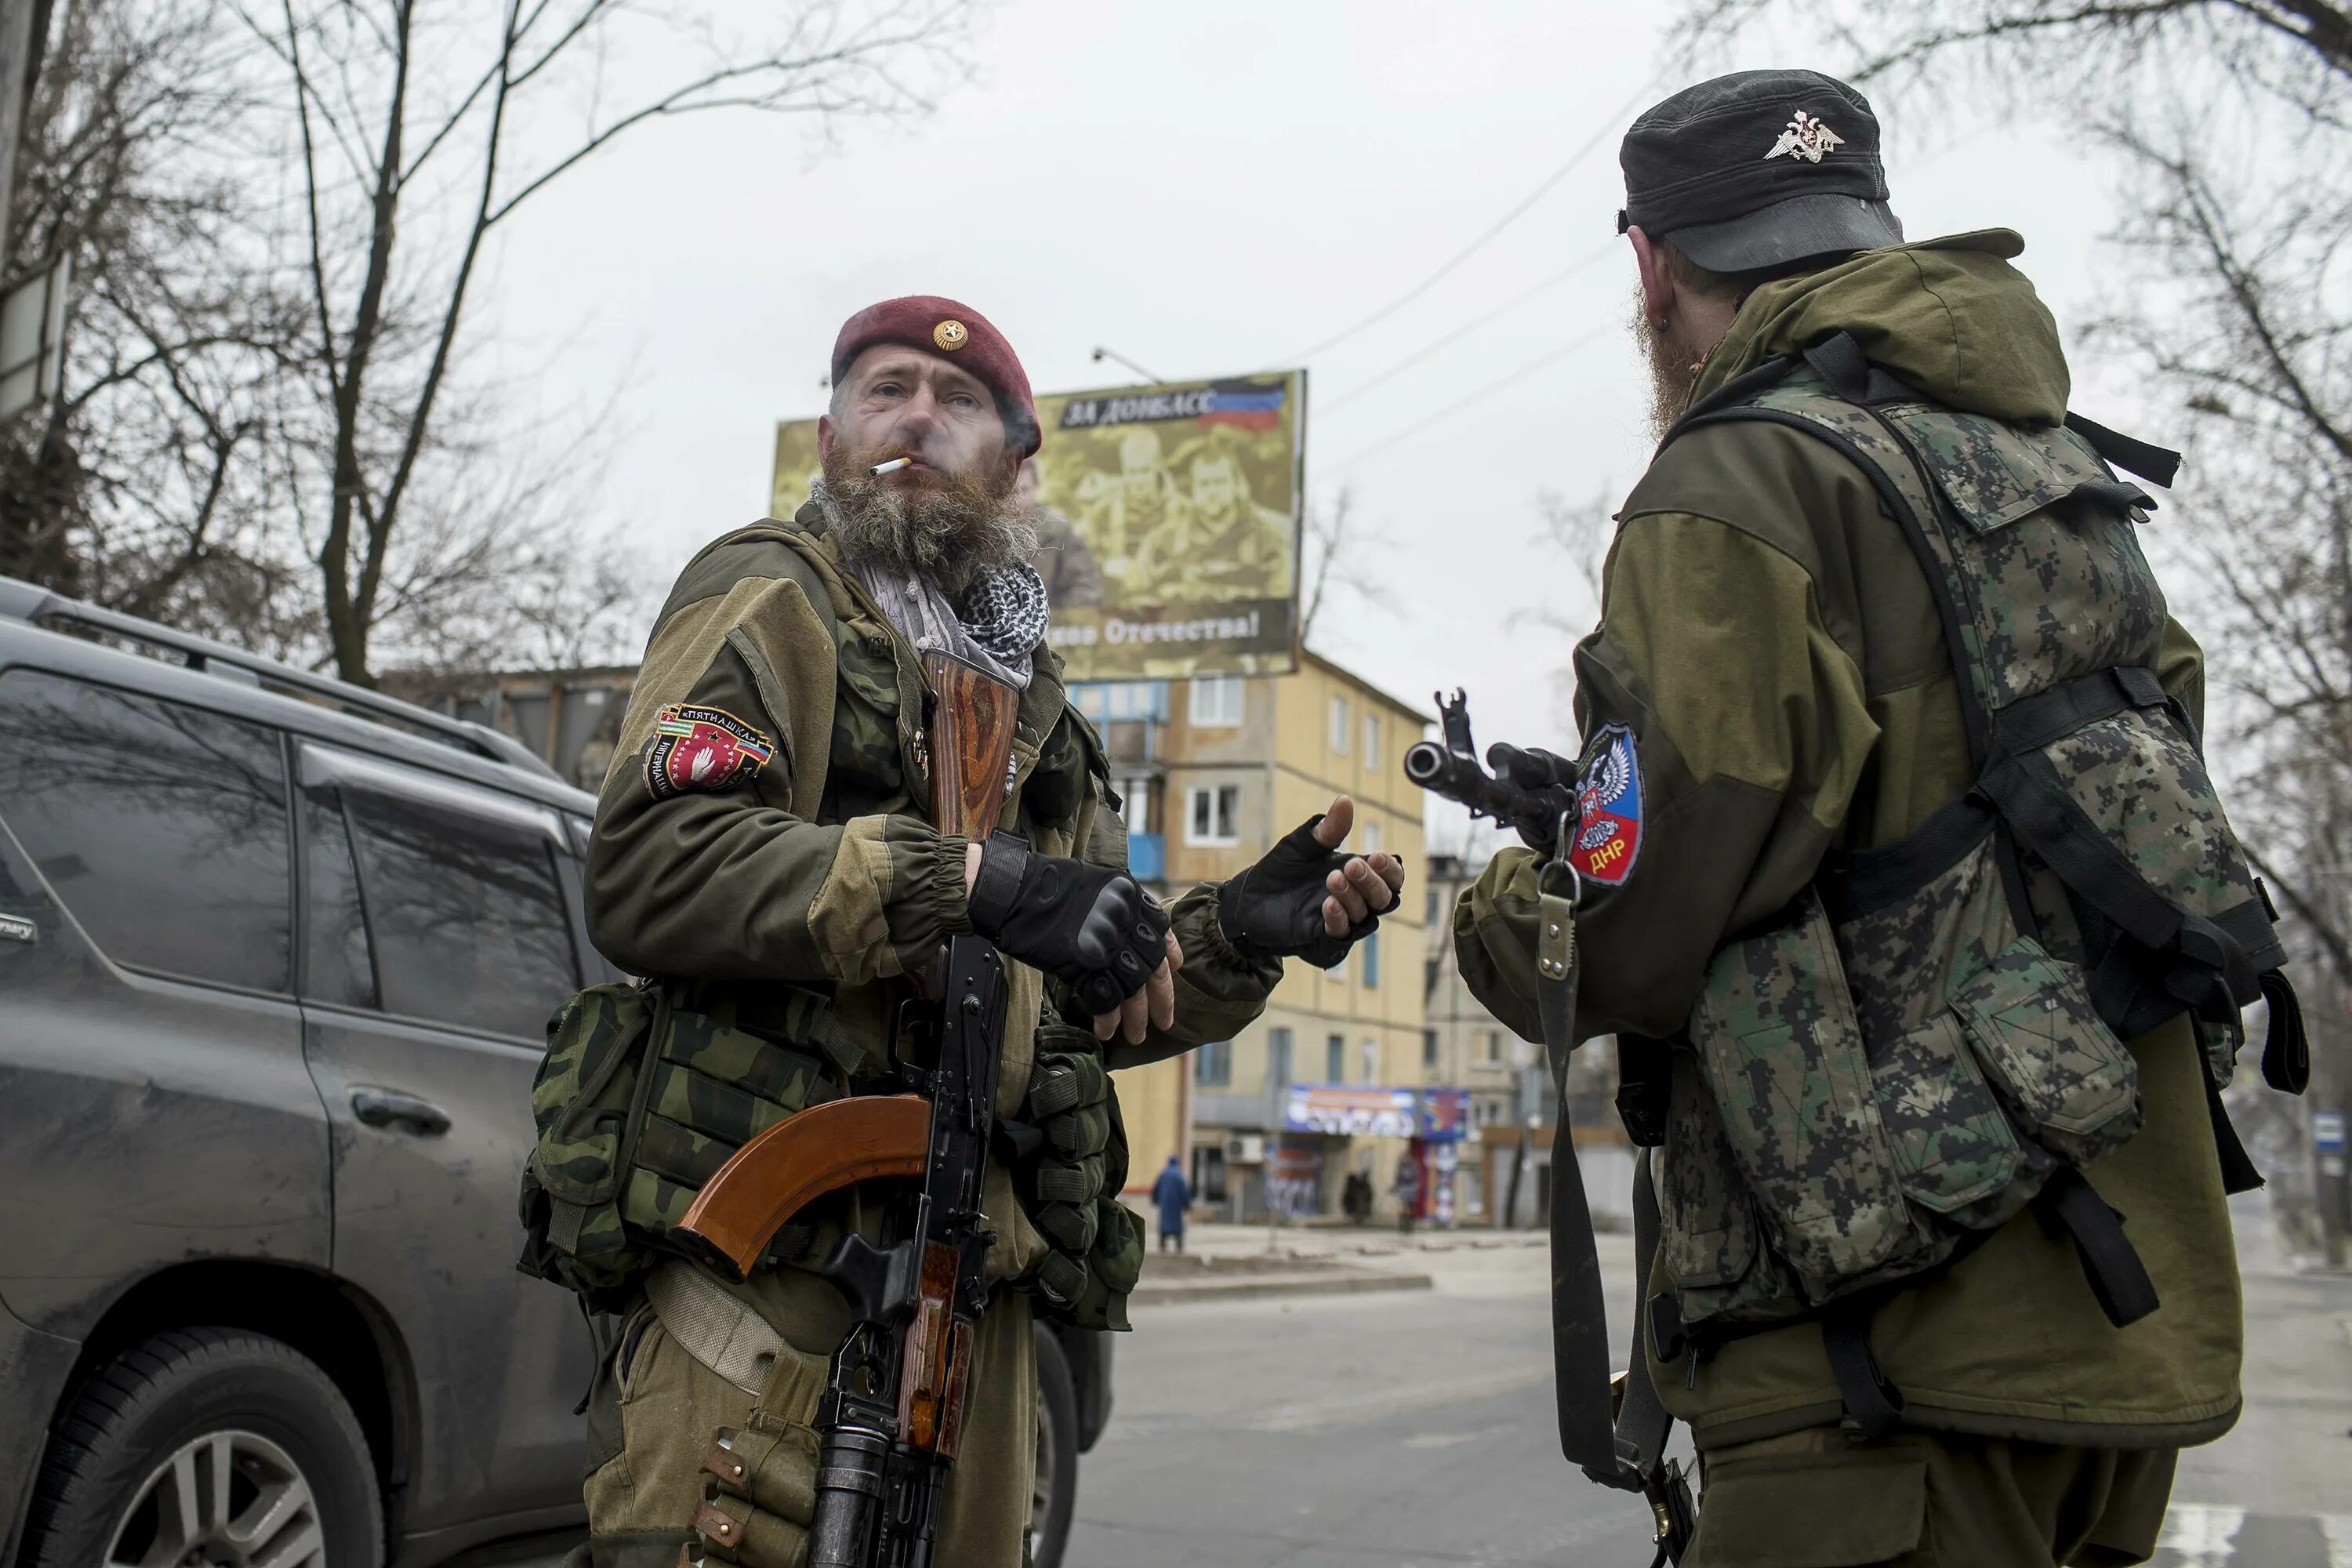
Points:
x=1169 y=520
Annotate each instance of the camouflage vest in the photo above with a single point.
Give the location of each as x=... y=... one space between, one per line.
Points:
x=647 y=1089
x=1929 y=1040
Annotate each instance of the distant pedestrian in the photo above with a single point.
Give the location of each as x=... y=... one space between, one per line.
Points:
x=1174 y=1193
x=1355 y=1197
x=1408 y=1192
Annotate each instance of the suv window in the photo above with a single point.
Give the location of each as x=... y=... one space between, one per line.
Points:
x=468 y=918
x=336 y=966
x=163 y=828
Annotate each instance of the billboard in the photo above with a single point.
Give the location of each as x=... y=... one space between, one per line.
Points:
x=1171 y=526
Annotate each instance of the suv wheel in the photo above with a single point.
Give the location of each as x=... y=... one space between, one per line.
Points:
x=1056 y=1481
x=206 y=1449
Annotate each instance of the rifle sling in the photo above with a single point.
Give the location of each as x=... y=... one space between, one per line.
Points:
x=1579 y=1316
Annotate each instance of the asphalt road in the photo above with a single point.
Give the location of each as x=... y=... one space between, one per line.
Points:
x=1417 y=1428
x=1413 y=1427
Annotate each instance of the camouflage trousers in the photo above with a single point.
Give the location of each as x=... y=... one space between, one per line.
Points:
x=654 y=1408
x=1821 y=1498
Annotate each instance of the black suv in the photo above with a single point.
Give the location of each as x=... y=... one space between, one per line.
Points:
x=276 y=956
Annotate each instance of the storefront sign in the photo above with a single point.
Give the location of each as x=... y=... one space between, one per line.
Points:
x=1349 y=1111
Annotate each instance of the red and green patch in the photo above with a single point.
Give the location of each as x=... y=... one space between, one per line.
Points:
x=702 y=748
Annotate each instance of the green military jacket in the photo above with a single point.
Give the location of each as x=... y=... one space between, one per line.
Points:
x=1773 y=647
x=818 y=866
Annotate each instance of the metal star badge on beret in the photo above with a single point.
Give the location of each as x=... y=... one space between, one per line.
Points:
x=950 y=334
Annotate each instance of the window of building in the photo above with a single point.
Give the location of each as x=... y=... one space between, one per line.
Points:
x=1371 y=741
x=1370 y=840
x=1210 y=816
x=1277 y=1056
x=164 y=828
x=1339 y=725
x=1371 y=949
x=468 y=920
x=1490 y=1045
x=1135 y=801
x=1213 y=1064
x=1429 y=1047
x=1334 y=1059
x=1429 y=909
x=1217 y=700
x=1368 y=1053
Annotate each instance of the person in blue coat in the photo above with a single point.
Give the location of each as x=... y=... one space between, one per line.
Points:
x=1172 y=1193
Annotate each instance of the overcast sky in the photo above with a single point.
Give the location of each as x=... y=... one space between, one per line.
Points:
x=1211 y=188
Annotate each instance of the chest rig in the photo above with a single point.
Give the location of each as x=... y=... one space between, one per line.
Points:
x=1928 y=1039
x=645 y=1091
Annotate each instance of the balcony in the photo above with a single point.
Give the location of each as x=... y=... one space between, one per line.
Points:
x=1147 y=857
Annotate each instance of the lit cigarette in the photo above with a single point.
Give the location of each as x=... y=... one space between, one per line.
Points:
x=892 y=467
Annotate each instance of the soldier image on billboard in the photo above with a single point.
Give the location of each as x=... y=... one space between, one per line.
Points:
x=1120 y=511
x=1219 y=543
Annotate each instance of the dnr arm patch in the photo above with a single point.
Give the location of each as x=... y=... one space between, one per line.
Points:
x=702 y=748
x=1607 y=809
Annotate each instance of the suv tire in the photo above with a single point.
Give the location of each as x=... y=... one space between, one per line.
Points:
x=158 y=1421
x=1057 y=1479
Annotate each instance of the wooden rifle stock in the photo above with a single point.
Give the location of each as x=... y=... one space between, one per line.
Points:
x=801 y=1159
x=971 y=742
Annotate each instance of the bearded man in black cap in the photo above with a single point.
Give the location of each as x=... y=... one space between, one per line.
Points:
x=1900 y=880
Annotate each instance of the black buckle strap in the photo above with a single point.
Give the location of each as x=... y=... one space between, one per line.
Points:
x=2157 y=465
x=2071 y=705
x=2112 y=1265
x=2286 y=1049
x=1873 y=1403
x=2048 y=821
x=2239 y=1173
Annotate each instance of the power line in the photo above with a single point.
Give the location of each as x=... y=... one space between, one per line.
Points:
x=1414 y=358
x=1466 y=399
x=1508 y=218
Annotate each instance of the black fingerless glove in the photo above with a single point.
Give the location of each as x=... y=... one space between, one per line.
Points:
x=1095 y=930
x=1276 y=905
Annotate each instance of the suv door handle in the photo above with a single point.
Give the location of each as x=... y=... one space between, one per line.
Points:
x=384 y=1107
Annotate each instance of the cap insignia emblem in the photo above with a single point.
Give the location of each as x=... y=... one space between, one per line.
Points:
x=952 y=334
x=1806 y=138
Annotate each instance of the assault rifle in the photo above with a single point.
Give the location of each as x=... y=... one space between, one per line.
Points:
x=893 y=1410
x=1530 y=789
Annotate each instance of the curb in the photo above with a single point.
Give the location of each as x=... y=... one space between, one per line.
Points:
x=1148 y=1295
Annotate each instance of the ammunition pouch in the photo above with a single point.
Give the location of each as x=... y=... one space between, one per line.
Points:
x=645 y=1092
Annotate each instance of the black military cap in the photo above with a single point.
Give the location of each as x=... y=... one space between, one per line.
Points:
x=1757 y=170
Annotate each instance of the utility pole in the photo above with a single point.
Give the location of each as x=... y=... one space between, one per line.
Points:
x=24 y=29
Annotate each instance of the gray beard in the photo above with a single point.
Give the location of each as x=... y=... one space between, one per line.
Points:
x=945 y=538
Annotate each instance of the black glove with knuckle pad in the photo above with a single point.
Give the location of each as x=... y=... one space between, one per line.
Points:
x=1276 y=905
x=1093 y=929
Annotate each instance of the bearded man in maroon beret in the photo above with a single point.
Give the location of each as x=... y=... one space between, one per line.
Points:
x=763 y=851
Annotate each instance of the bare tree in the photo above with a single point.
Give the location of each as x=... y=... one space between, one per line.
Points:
x=1582 y=531
x=2236 y=219
x=1335 y=544
x=414 y=136
x=278 y=212
x=145 y=485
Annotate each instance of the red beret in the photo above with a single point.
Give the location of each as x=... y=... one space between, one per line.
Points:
x=953 y=331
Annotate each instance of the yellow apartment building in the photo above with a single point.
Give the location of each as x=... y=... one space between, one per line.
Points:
x=1329 y=1080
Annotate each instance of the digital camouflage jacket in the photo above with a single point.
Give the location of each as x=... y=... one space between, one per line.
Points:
x=761 y=840
x=1772 y=653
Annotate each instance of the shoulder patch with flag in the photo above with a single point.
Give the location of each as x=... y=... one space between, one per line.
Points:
x=702 y=748
x=1607 y=809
